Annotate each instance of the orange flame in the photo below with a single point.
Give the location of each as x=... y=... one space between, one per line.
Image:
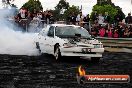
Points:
x=81 y=71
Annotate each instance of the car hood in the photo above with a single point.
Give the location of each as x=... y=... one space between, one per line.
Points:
x=81 y=41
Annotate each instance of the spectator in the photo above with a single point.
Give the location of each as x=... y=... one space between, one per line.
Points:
x=39 y=15
x=29 y=19
x=94 y=32
x=110 y=34
x=51 y=20
x=100 y=19
x=116 y=34
x=95 y=17
x=34 y=13
x=47 y=17
x=86 y=22
x=102 y=32
x=23 y=13
x=106 y=18
x=128 y=19
x=86 y=19
x=120 y=29
x=80 y=19
x=118 y=18
x=36 y=20
x=43 y=18
x=126 y=33
x=73 y=18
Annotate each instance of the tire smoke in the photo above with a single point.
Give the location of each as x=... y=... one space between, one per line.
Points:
x=12 y=40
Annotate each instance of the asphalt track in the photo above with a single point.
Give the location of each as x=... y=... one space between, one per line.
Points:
x=44 y=72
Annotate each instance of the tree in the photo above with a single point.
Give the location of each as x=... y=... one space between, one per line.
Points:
x=62 y=5
x=105 y=8
x=103 y=2
x=60 y=9
x=32 y=5
x=70 y=10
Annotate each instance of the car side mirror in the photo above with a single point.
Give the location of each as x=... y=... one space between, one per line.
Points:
x=93 y=36
x=50 y=35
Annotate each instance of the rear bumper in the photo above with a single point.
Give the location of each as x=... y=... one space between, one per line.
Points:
x=95 y=52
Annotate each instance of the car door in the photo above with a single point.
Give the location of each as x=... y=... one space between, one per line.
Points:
x=50 y=40
x=42 y=38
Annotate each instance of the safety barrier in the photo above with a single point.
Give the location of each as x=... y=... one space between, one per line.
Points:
x=116 y=42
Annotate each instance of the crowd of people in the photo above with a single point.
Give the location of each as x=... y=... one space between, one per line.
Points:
x=118 y=29
x=24 y=18
x=101 y=25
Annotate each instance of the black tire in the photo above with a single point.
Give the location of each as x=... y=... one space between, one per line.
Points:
x=95 y=59
x=38 y=47
x=57 y=53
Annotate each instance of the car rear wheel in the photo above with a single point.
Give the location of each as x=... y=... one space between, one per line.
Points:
x=95 y=59
x=57 y=53
x=38 y=47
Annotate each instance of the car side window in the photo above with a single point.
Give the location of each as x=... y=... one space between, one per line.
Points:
x=51 y=32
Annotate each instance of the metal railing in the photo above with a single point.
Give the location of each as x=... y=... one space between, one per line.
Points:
x=116 y=42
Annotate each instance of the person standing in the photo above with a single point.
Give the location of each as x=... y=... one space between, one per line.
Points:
x=128 y=19
x=51 y=19
x=95 y=17
x=79 y=19
x=23 y=13
x=118 y=18
x=106 y=18
x=126 y=33
x=100 y=19
x=73 y=19
x=86 y=20
x=102 y=32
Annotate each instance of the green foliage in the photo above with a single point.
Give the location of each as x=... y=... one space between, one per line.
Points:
x=70 y=10
x=103 y=2
x=32 y=5
x=60 y=6
x=56 y=14
x=105 y=8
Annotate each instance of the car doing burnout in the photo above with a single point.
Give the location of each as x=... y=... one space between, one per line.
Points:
x=68 y=40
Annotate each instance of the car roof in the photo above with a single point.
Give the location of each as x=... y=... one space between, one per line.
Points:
x=59 y=25
x=64 y=25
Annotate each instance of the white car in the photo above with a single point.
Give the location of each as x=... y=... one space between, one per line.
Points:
x=68 y=40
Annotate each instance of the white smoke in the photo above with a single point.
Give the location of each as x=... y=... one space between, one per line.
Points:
x=15 y=42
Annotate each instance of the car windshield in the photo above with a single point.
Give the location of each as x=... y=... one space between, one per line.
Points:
x=70 y=32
